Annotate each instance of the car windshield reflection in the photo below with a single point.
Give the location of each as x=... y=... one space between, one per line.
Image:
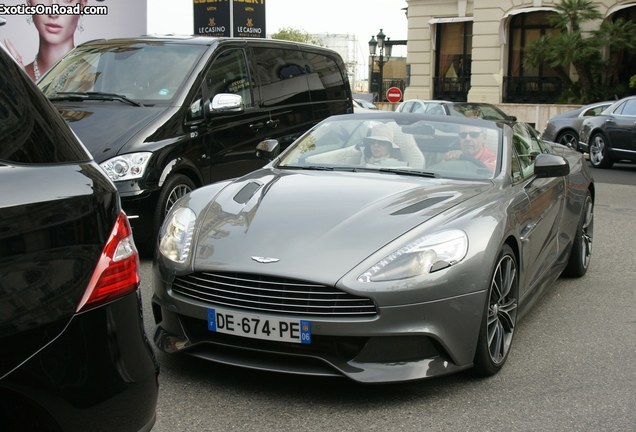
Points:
x=150 y=72
x=415 y=146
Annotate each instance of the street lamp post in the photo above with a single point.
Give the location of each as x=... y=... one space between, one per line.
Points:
x=385 y=47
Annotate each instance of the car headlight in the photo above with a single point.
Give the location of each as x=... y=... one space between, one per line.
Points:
x=175 y=239
x=127 y=166
x=422 y=256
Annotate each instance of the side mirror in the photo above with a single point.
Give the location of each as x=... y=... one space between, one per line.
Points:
x=225 y=103
x=550 y=165
x=267 y=149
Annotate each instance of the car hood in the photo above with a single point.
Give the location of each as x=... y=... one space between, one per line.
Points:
x=316 y=224
x=105 y=127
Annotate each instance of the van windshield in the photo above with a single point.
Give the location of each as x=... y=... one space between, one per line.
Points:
x=148 y=72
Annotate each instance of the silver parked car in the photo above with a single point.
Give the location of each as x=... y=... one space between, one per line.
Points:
x=380 y=247
x=564 y=128
x=481 y=110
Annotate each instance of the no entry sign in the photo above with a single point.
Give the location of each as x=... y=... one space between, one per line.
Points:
x=394 y=94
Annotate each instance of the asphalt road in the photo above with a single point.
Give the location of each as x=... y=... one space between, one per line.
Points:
x=572 y=365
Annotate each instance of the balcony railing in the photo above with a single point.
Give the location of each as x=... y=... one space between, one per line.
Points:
x=452 y=89
x=532 y=89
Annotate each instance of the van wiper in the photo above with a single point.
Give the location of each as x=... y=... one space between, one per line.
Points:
x=79 y=96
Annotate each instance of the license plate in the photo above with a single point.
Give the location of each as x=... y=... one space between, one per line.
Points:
x=259 y=327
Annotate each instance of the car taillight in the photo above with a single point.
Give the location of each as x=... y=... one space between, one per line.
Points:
x=117 y=272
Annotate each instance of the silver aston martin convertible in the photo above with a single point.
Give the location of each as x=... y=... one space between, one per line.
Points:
x=381 y=247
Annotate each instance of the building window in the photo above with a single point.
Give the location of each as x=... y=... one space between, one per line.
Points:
x=523 y=82
x=452 y=65
x=625 y=58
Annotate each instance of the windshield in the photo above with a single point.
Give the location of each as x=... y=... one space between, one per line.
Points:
x=149 y=72
x=410 y=145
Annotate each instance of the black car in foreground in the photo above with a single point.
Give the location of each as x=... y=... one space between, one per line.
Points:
x=75 y=356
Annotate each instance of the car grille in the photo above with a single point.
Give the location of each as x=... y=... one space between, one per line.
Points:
x=257 y=293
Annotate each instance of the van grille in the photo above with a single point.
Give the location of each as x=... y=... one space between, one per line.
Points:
x=257 y=293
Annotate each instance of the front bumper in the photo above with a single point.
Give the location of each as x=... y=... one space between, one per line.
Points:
x=401 y=343
x=140 y=206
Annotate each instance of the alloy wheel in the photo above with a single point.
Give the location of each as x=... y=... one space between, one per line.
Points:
x=569 y=139
x=597 y=150
x=587 y=229
x=177 y=192
x=502 y=309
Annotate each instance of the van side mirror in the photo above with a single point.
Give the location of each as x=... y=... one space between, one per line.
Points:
x=225 y=103
x=267 y=149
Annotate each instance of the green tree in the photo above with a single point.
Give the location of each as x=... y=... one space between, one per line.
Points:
x=296 y=35
x=574 y=49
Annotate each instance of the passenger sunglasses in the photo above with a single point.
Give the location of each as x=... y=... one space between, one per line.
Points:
x=473 y=134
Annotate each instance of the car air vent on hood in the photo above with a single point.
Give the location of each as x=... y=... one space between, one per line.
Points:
x=246 y=193
x=414 y=208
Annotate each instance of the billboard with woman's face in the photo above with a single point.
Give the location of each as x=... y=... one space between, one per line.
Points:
x=40 y=32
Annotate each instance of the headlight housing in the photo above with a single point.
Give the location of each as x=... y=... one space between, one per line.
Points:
x=127 y=166
x=175 y=237
x=424 y=255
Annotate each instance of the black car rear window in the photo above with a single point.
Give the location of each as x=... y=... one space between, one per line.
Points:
x=31 y=131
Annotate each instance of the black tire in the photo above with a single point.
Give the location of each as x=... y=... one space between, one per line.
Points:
x=175 y=187
x=599 y=156
x=500 y=316
x=568 y=138
x=581 y=250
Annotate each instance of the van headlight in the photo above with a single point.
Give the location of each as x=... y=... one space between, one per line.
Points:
x=127 y=166
x=175 y=236
x=425 y=255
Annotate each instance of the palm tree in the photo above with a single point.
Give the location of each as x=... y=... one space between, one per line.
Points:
x=572 y=49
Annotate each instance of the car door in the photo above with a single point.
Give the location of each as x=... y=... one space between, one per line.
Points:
x=283 y=79
x=229 y=137
x=621 y=128
x=541 y=214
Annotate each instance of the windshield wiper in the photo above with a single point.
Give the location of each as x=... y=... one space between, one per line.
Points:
x=400 y=171
x=79 y=96
x=307 y=167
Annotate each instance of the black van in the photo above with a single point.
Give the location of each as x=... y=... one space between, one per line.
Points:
x=165 y=115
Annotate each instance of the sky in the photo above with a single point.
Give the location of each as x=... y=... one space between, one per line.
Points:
x=362 y=18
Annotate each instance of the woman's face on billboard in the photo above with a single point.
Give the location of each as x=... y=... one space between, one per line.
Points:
x=56 y=29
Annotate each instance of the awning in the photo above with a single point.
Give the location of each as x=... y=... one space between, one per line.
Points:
x=446 y=20
x=616 y=8
x=503 y=24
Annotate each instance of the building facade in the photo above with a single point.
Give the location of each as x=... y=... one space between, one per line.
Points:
x=474 y=50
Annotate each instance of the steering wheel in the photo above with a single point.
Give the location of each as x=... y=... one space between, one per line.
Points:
x=473 y=160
